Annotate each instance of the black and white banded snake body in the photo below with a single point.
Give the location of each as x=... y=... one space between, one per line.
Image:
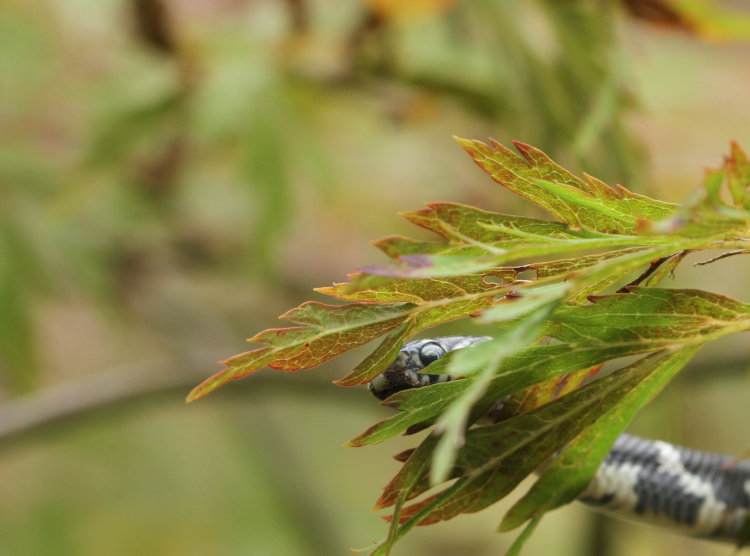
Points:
x=697 y=493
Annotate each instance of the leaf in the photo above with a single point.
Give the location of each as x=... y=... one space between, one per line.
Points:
x=713 y=20
x=19 y=268
x=378 y=360
x=331 y=330
x=515 y=548
x=487 y=357
x=529 y=278
x=528 y=302
x=570 y=472
x=738 y=176
x=677 y=316
x=18 y=349
x=661 y=318
x=369 y=288
x=542 y=393
x=586 y=205
x=592 y=216
x=465 y=227
x=526 y=441
x=521 y=370
x=735 y=173
x=440 y=265
x=417 y=406
x=327 y=331
x=644 y=320
x=469 y=231
x=396 y=246
x=403 y=484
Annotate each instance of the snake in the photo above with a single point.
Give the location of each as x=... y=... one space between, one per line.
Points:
x=697 y=493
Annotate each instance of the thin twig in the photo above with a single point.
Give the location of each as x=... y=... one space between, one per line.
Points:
x=649 y=271
x=723 y=256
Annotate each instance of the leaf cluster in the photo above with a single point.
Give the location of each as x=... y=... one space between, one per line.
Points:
x=593 y=298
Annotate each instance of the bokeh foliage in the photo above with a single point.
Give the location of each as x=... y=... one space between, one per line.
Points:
x=172 y=171
x=133 y=128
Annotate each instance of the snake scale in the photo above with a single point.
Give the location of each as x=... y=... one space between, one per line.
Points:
x=697 y=493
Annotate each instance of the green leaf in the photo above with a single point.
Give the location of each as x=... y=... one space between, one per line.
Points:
x=526 y=441
x=369 y=288
x=531 y=300
x=521 y=370
x=586 y=205
x=469 y=231
x=417 y=406
x=676 y=316
x=570 y=472
x=735 y=173
x=738 y=176
x=397 y=246
x=487 y=357
x=403 y=484
x=702 y=236
x=515 y=548
x=378 y=360
x=327 y=331
x=646 y=319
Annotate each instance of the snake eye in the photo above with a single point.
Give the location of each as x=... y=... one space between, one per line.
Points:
x=430 y=353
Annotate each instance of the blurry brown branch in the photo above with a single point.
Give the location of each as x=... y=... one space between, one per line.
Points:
x=131 y=385
x=168 y=381
x=372 y=28
x=658 y=12
x=299 y=17
x=154 y=26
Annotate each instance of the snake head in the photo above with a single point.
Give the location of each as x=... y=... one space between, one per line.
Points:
x=404 y=373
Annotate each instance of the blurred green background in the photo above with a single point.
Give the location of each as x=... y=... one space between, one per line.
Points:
x=174 y=174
